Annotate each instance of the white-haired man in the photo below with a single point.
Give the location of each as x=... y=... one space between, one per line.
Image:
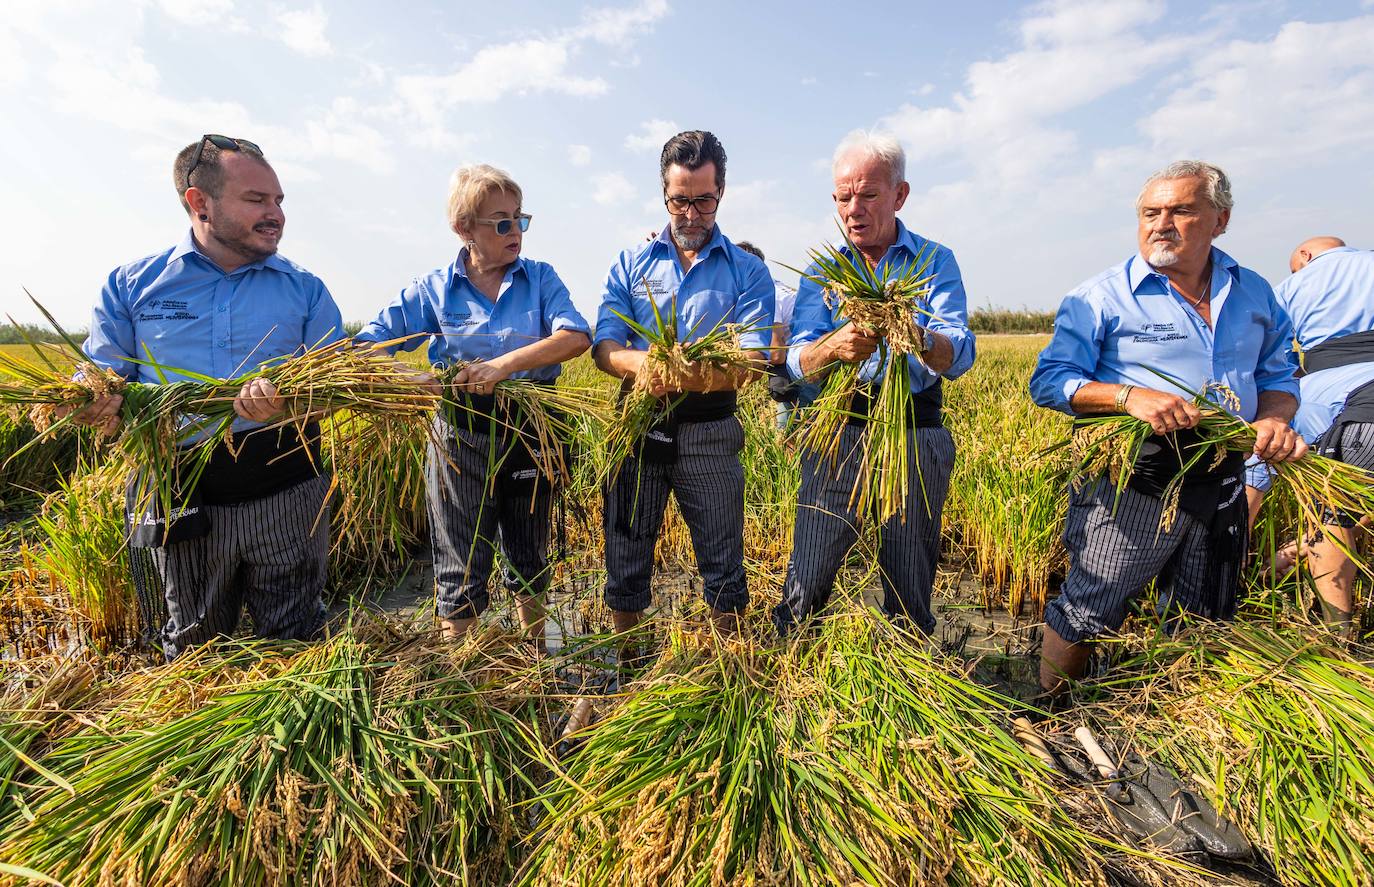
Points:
x=1183 y=307
x=1330 y=298
x=870 y=187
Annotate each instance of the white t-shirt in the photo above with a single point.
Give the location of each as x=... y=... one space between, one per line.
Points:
x=786 y=301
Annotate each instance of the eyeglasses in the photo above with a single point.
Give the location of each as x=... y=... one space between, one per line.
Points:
x=504 y=226
x=678 y=206
x=224 y=143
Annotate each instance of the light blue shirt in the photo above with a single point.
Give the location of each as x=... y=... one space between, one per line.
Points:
x=1129 y=324
x=726 y=284
x=1332 y=296
x=460 y=323
x=181 y=310
x=812 y=318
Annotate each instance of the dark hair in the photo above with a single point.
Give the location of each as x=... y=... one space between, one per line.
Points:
x=693 y=150
x=208 y=175
x=750 y=249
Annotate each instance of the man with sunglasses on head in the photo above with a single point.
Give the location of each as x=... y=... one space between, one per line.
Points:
x=253 y=530
x=692 y=269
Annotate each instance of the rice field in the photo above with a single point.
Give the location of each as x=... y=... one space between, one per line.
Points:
x=857 y=754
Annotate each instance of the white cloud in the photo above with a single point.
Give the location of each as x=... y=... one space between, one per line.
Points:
x=303 y=30
x=579 y=155
x=612 y=189
x=196 y=12
x=614 y=27
x=651 y=136
x=808 y=81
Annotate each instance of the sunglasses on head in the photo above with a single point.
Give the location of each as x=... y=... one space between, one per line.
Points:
x=504 y=226
x=224 y=143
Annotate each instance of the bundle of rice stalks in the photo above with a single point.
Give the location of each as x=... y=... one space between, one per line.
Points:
x=857 y=758
x=888 y=306
x=674 y=356
x=1274 y=723
x=377 y=506
x=172 y=429
x=547 y=421
x=367 y=758
x=1110 y=445
x=33 y=696
x=30 y=467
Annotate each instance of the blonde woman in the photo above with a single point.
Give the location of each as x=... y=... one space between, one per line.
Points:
x=515 y=318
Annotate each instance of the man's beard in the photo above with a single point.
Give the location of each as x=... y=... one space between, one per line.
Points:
x=1162 y=253
x=690 y=241
x=236 y=239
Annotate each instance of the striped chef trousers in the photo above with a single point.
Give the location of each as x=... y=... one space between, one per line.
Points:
x=269 y=554
x=826 y=528
x=708 y=482
x=1116 y=547
x=468 y=521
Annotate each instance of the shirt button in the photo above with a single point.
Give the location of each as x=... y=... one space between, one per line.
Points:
x=223 y=308
x=224 y=344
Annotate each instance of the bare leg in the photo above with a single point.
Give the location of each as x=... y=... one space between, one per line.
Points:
x=1254 y=497
x=1060 y=662
x=532 y=618
x=455 y=629
x=1333 y=574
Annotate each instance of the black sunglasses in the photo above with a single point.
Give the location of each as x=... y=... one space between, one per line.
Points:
x=224 y=143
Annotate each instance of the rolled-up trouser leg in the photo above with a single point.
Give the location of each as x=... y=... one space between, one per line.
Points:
x=909 y=549
x=526 y=521
x=462 y=520
x=1112 y=556
x=823 y=531
x=198 y=580
x=708 y=481
x=635 y=499
x=285 y=559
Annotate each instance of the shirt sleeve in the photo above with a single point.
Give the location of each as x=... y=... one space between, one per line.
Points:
x=556 y=305
x=1070 y=360
x=1258 y=474
x=111 y=341
x=1278 y=365
x=754 y=307
x=811 y=319
x=949 y=304
x=324 y=324
x=408 y=317
x=615 y=296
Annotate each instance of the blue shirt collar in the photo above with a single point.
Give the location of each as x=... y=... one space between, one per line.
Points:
x=717 y=240
x=459 y=267
x=1140 y=270
x=188 y=247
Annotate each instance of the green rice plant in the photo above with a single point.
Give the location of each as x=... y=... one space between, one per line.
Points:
x=34 y=695
x=674 y=355
x=889 y=307
x=1005 y=508
x=374 y=756
x=1273 y=721
x=855 y=757
x=83 y=551
x=31 y=467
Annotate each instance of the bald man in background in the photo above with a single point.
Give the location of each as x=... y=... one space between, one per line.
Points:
x=1330 y=298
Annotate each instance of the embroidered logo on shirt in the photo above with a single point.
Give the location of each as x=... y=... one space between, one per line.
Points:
x=1152 y=333
x=459 y=318
x=641 y=287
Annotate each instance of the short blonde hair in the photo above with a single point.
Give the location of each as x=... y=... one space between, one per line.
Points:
x=472 y=184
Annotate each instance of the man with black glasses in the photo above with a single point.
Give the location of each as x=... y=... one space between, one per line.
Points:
x=691 y=267
x=220 y=303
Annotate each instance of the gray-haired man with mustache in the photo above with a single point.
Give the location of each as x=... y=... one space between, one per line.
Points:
x=1184 y=308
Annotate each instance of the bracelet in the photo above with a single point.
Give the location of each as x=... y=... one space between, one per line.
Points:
x=1121 y=395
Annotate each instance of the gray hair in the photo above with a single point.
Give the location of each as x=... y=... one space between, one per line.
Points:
x=1218 y=185
x=879 y=145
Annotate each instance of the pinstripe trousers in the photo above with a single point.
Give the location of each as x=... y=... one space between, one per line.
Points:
x=1115 y=548
x=826 y=528
x=468 y=523
x=270 y=554
x=708 y=482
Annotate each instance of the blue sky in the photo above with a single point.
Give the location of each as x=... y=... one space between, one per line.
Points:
x=1029 y=126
